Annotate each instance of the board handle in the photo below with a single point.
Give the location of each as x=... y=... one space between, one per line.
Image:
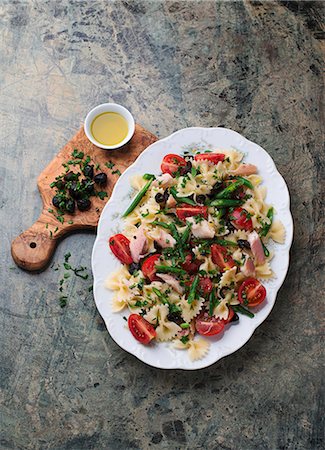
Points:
x=32 y=250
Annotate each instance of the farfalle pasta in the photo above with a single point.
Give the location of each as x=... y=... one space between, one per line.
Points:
x=194 y=249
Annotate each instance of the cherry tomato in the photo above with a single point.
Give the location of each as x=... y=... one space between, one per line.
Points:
x=184 y=211
x=251 y=292
x=120 y=246
x=230 y=316
x=220 y=257
x=213 y=157
x=149 y=267
x=208 y=326
x=142 y=330
x=191 y=265
x=205 y=285
x=240 y=219
x=171 y=163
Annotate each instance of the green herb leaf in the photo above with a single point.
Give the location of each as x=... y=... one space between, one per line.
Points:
x=102 y=194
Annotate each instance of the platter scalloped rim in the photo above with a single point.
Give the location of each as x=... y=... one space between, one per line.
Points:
x=163 y=355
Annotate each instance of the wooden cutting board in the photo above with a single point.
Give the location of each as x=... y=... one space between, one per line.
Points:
x=32 y=250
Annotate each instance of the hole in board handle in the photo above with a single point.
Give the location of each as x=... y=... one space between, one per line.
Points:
x=32 y=244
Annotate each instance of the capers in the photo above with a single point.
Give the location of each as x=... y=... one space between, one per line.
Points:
x=88 y=171
x=100 y=179
x=83 y=204
x=70 y=206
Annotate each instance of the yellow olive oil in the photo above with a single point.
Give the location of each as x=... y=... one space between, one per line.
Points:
x=109 y=128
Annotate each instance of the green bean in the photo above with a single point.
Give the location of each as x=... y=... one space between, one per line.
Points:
x=246 y=182
x=170 y=269
x=225 y=242
x=137 y=199
x=224 y=202
x=240 y=309
x=221 y=213
x=267 y=226
x=160 y=295
x=192 y=293
x=148 y=176
x=226 y=193
x=186 y=234
x=212 y=301
x=181 y=199
x=160 y=224
x=266 y=251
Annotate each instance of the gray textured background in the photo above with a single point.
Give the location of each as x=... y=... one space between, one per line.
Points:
x=254 y=67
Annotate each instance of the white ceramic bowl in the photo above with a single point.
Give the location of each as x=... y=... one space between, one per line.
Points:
x=109 y=107
x=163 y=355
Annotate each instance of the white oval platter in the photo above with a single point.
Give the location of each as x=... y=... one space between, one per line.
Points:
x=163 y=355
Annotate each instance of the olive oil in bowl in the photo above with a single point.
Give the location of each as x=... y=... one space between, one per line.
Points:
x=109 y=128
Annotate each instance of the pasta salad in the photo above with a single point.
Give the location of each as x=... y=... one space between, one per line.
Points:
x=193 y=249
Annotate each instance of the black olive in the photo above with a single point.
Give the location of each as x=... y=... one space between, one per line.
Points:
x=60 y=184
x=70 y=206
x=101 y=179
x=83 y=204
x=88 y=187
x=74 y=191
x=242 y=243
x=133 y=267
x=216 y=188
x=223 y=291
x=88 y=171
x=175 y=317
x=157 y=246
x=70 y=176
x=186 y=168
x=56 y=201
x=230 y=226
x=166 y=195
x=160 y=198
x=200 y=199
x=235 y=318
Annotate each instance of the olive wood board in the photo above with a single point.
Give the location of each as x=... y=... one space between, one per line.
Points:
x=32 y=250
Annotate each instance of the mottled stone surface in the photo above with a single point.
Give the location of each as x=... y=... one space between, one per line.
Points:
x=254 y=67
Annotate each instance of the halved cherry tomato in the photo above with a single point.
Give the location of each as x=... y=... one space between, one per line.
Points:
x=240 y=219
x=120 y=246
x=184 y=211
x=208 y=326
x=213 y=157
x=230 y=316
x=220 y=257
x=251 y=292
x=171 y=163
x=149 y=267
x=142 y=330
x=191 y=265
x=205 y=285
